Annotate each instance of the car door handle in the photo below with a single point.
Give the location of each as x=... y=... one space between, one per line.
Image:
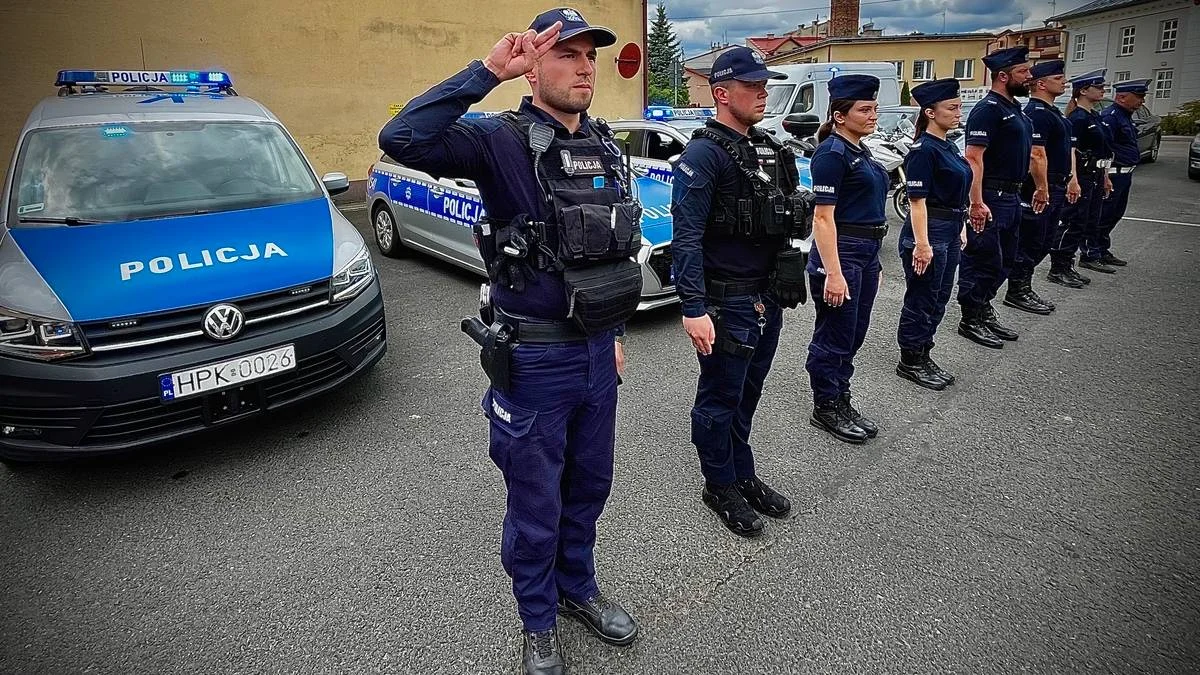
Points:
x=462 y=182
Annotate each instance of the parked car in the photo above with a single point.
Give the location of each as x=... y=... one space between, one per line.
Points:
x=1149 y=126
x=1194 y=158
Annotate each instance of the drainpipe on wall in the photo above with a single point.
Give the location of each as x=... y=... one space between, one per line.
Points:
x=645 y=58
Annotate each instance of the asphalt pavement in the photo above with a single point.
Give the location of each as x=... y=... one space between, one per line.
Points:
x=1042 y=515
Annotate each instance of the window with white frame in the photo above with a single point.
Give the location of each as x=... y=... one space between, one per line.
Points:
x=1127 y=35
x=1164 y=82
x=1168 y=34
x=1122 y=75
x=923 y=69
x=964 y=69
x=899 y=68
x=1080 y=46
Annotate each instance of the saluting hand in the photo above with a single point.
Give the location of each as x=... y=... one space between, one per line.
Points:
x=517 y=53
x=700 y=330
x=980 y=215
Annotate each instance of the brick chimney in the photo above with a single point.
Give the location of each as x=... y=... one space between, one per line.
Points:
x=843 y=19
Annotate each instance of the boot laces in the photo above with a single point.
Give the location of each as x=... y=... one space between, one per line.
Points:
x=543 y=643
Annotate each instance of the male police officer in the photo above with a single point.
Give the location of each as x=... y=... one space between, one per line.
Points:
x=1052 y=171
x=734 y=204
x=560 y=231
x=999 y=142
x=1118 y=121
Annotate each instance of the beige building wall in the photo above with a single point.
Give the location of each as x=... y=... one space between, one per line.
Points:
x=328 y=70
x=943 y=52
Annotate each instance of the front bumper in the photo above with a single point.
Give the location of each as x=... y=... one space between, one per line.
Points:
x=75 y=408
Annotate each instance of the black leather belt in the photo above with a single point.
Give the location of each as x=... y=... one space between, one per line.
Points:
x=1058 y=178
x=862 y=231
x=1010 y=186
x=540 y=330
x=718 y=289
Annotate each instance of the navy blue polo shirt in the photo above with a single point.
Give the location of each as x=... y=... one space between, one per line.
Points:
x=428 y=136
x=702 y=172
x=848 y=176
x=937 y=171
x=1052 y=131
x=1090 y=138
x=998 y=125
x=1122 y=135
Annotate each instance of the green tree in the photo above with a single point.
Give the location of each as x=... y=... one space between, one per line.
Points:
x=661 y=53
x=905 y=95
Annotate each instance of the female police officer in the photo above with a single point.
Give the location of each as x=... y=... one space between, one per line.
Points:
x=938 y=180
x=844 y=270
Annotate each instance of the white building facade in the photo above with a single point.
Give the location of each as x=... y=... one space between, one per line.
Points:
x=1133 y=39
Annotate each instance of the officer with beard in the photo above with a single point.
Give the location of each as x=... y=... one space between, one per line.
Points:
x=999 y=143
x=549 y=176
x=734 y=204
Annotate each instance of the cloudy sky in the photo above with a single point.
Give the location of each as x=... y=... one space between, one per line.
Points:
x=698 y=23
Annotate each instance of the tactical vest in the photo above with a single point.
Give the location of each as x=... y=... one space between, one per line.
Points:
x=591 y=225
x=768 y=203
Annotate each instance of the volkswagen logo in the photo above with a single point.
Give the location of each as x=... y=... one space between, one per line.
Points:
x=223 y=322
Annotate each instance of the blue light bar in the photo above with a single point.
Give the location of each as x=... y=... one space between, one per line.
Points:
x=666 y=112
x=177 y=78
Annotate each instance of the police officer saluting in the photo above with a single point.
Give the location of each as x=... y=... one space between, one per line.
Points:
x=1118 y=121
x=557 y=240
x=1092 y=157
x=735 y=205
x=999 y=142
x=849 y=225
x=1052 y=171
x=938 y=180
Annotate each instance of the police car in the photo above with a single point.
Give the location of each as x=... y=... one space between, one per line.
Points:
x=411 y=209
x=169 y=263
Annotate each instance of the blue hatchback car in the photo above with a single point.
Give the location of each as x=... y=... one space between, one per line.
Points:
x=169 y=262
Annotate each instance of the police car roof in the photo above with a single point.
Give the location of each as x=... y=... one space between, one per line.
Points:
x=143 y=106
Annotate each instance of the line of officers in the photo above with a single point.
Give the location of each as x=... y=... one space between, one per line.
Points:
x=1034 y=183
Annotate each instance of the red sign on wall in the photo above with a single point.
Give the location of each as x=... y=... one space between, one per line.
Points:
x=629 y=61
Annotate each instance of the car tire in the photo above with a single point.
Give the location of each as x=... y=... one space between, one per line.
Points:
x=1194 y=174
x=387 y=236
x=1153 y=156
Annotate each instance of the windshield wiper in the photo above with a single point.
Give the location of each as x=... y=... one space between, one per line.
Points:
x=176 y=214
x=65 y=220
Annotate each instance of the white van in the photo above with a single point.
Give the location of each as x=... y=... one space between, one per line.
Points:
x=805 y=89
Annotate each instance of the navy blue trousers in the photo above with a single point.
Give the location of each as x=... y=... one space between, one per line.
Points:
x=731 y=385
x=926 y=295
x=1037 y=234
x=989 y=255
x=838 y=332
x=1099 y=243
x=1079 y=220
x=552 y=438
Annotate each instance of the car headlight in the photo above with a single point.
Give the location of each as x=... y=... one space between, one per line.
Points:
x=37 y=338
x=353 y=278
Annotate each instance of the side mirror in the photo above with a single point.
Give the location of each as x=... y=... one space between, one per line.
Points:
x=335 y=182
x=801 y=125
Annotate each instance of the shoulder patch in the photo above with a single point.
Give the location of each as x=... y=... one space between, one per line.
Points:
x=685 y=168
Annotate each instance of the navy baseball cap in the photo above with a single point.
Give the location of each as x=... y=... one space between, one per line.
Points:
x=1094 y=78
x=854 y=88
x=1132 y=87
x=1006 y=58
x=1047 y=68
x=573 y=24
x=741 y=63
x=930 y=93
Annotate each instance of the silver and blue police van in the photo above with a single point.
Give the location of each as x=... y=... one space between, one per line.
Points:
x=413 y=210
x=169 y=263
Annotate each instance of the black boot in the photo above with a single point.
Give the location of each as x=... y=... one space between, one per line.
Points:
x=914 y=368
x=1096 y=266
x=1078 y=277
x=973 y=328
x=830 y=417
x=608 y=620
x=542 y=653
x=731 y=507
x=1110 y=259
x=1019 y=296
x=1037 y=298
x=762 y=498
x=1064 y=278
x=937 y=370
x=992 y=321
x=865 y=423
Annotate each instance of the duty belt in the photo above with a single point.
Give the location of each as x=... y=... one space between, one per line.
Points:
x=956 y=215
x=1058 y=178
x=1120 y=169
x=863 y=231
x=540 y=331
x=1009 y=186
x=718 y=289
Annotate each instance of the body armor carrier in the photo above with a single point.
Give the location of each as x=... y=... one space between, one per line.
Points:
x=588 y=228
x=769 y=203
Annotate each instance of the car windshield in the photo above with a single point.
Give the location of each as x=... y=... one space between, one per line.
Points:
x=779 y=98
x=136 y=171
